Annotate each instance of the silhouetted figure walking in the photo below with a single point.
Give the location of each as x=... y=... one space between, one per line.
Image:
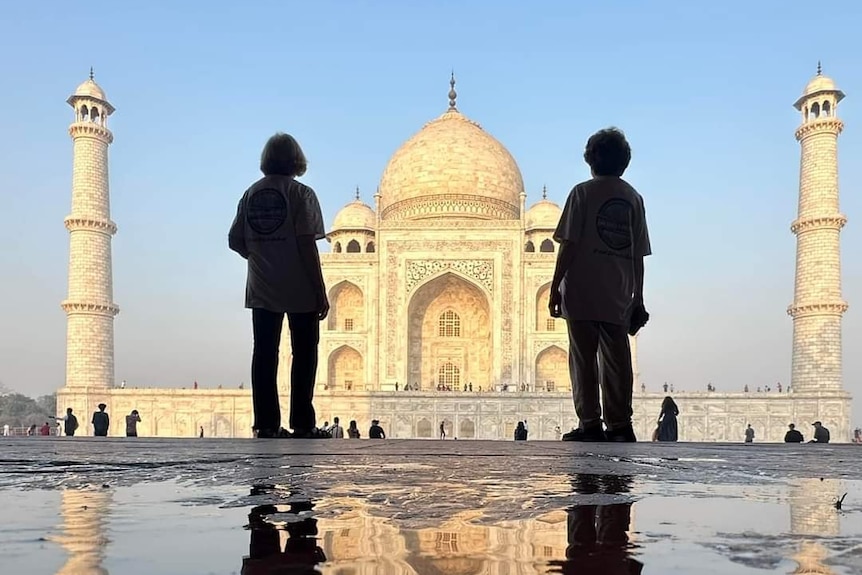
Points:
x=520 y=432
x=277 y=225
x=598 y=288
x=668 y=429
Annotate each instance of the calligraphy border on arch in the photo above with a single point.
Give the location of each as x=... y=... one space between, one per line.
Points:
x=480 y=270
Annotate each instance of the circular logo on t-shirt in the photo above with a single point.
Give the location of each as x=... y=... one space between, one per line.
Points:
x=613 y=223
x=266 y=211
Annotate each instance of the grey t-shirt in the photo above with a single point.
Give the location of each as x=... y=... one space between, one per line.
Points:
x=604 y=220
x=271 y=215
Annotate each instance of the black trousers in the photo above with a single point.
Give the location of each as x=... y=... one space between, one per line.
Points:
x=600 y=356
x=304 y=337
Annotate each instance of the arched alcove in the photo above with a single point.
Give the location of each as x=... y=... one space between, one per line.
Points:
x=347 y=311
x=346 y=369
x=552 y=370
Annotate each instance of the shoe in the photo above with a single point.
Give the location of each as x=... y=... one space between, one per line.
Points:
x=272 y=433
x=313 y=433
x=591 y=434
x=622 y=435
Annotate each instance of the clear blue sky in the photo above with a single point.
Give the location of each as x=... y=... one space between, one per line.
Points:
x=703 y=90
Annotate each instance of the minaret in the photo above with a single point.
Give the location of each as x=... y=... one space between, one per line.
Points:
x=90 y=307
x=817 y=304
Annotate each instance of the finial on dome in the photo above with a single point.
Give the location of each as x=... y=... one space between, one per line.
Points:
x=452 y=93
x=91 y=72
x=544 y=192
x=357 y=193
x=819 y=70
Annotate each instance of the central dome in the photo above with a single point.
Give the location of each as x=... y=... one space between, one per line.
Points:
x=451 y=168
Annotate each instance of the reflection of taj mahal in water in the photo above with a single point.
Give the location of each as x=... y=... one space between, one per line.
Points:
x=359 y=542
x=439 y=300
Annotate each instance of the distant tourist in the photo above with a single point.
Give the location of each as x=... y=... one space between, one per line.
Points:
x=277 y=225
x=132 y=421
x=45 y=430
x=749 y=434
x=520 y=432
x=792 y=435
x=352 y=430
x=6 y=430
x=336 y=431
x=857 y=435
x=70 y=422
x=201 y=435
x=101 y=421
x=375 y=431
x=31 y=430
x=821 y=434
x=598 y=287
x=667 y=425
x=442 y=431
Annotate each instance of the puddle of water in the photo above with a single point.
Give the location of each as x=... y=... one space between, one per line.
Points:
x=582 y=524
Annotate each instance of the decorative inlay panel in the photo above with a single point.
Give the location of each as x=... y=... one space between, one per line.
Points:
x=480 y=270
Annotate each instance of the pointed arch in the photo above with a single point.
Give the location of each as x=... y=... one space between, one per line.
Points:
x=547 y=246
x=369 y=248
x=552 y=370
x=346 y=369
x=826 y=108
x=815 y=110
x=428 y=350
x=424 y=429
x=347 y=312
x=337 y=247
x=544 y=321
x=529 y=247
x=467 y=429
x=353 y=247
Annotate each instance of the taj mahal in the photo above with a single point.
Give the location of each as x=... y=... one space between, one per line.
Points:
x=439 y=289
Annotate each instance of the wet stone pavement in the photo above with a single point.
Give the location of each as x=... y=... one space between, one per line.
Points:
x=88 y=506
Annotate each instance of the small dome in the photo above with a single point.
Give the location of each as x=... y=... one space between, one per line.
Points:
x=819 y=83
x=543 y=215
x=356 y=215
x=89 y=89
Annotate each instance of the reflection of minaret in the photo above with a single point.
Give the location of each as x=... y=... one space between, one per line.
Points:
x=812 y=512
x=83 y=536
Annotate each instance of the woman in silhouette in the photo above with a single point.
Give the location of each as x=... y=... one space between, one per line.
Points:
x=667 y=426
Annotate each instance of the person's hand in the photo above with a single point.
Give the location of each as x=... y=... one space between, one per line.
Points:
x=322 y=307
x=638 y=319
x=555 y=303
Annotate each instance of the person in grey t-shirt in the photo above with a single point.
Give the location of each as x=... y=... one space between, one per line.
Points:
x=598 y=288
x=277 y=225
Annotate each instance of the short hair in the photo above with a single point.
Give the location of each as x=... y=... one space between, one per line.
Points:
x=608 y=152
x=282 y=156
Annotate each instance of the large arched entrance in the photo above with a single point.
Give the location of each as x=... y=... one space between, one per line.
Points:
x=449 y=335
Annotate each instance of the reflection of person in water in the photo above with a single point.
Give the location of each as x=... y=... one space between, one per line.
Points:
x=300 y=554
x=598 y=540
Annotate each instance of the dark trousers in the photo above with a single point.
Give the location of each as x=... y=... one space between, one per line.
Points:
x=304 y=337
x=599 y=355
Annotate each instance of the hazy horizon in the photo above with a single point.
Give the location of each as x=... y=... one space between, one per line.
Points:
x=704 y=93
